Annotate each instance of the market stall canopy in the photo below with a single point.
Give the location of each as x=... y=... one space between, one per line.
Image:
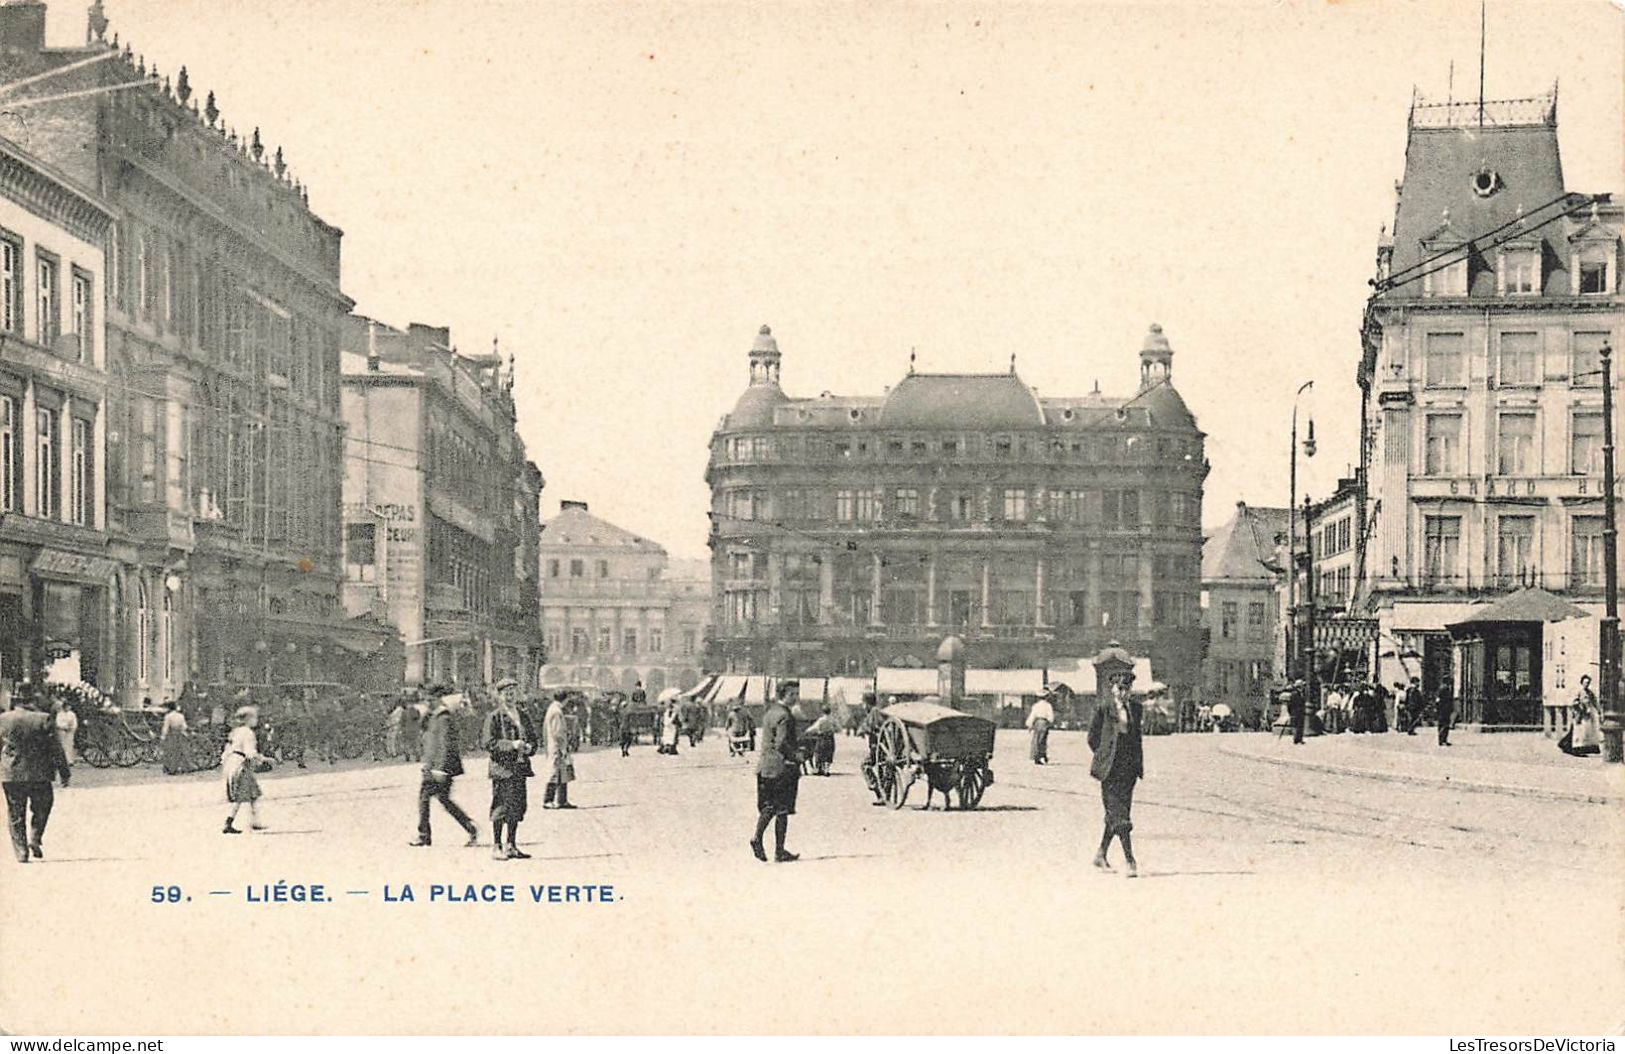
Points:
x=1004 y=682
x=701 y=691
x=1079 y=675
x=890 y=680
x=729 y=687
x=1531 y=604
x=814 y=689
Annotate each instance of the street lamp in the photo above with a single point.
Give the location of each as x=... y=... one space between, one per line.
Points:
x=1293 y=645
x=1608 y=666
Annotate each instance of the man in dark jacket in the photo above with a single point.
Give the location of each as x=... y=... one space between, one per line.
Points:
x=778 y=774
x=30 y=754
x=1447 y=711
x=442 y=763
x=510 y=739
x=1114 y=736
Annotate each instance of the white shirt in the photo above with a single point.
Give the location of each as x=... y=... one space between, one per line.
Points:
x=1041 y=711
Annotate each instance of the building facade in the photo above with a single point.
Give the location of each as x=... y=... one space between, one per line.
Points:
x=1482 y=425
x=1244 y=573
x=616 y=610
x=851 y=532
x=223 y=314
x=55 y=573
x=441 y=521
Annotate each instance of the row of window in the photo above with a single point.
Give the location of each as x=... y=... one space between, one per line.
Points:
x=1333 y=586
x=1334 y=538
x=912 y=607
x=1516 y=450
x=1111 y=509
x=582 y=641
x=44 y=281
x=913 y=570
x=1514 y=554
x=1519 y=358
x=1114 y=446
x=36 y=454
x=1244 y=677
x=1519 y=272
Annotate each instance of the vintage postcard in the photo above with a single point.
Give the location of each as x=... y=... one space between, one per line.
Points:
x=815 y=518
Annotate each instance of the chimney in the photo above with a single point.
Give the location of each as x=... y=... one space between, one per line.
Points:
x=566 y=506
x=372 y=346
x=22 y=26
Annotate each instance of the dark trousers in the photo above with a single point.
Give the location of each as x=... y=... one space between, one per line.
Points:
x=1444 y=728
x=20 y=798
x=431 y=790
x=559 y=792
x=1298 y=715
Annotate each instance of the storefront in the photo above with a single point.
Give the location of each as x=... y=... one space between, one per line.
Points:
x=1501 y=651
x=53 y=614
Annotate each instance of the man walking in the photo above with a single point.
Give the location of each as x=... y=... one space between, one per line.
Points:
x=1042 y=716
x=1296 y=708
x=442 y=763
x=561 y=769
x=778 y=774
x=510 y=740
x=30 y=754
x=1447 y=710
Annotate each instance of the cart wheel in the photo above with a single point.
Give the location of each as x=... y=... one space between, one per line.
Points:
x=971 y=785
x=892 y=747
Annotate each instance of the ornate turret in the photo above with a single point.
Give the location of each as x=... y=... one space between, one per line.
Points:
x=1156 y=359
x=764 y=358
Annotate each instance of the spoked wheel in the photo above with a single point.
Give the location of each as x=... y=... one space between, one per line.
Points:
x=972 y=782
x=127 y=751
x=93 y=748
x=893 y=768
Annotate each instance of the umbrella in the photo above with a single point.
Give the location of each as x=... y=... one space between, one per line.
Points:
x=1221 y=710
x=669 y=694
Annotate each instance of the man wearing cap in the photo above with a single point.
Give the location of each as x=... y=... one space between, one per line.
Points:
x=442 y=763
x=30 y=754
x=510 y=740
x=778 y=774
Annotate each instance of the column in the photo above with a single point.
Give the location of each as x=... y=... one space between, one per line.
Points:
x=1093 y=589
x=987 y=593
x=1038 y=594
x=874 y=592
x=826 y=588
x=931 y=591
x=775 y=589
x=1147 y=608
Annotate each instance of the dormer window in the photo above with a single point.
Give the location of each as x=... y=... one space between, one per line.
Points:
x=1446 y=254
x=1520 y=271
x=1448 y=280
x=1594 y=274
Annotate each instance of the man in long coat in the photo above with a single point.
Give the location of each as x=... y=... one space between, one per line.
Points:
x=1114 y=736
x=778 y=774
x=510 y=740
x=556 y=728
x=30 y=755
x=442 y=763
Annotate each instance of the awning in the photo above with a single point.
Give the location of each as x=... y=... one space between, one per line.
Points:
x=1079 y=675
x=73 y=567
x=728 y=689
x=700 y=691
x=890 y=679
x=813 y=689
x=848 y=691
x=1004 y=682
x=1420 y=616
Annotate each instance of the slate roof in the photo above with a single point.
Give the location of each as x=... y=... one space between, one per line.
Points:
x=1440 y=165
x=962 y=400
x=1238 y=551
x=576 y=526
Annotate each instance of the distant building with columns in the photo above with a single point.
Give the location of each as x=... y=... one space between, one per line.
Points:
x=850 y=532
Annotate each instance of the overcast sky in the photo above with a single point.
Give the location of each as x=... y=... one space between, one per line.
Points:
x=625 y=192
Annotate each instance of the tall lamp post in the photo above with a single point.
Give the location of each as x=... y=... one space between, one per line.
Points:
x=1608 y=666
x=1294 y=644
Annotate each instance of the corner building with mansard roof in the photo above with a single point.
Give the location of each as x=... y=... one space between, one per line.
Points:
x=850 y=532
x=1482 y=420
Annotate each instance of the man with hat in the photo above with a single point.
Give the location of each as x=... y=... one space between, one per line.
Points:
x=30 y=754
x=442 y=763
x=778 y=774
x=510 y=740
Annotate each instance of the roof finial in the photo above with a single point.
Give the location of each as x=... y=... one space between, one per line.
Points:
x=183 y=86
x=1012 y=362
x=210 y=110
x=279 y=165
x=96 y=26
x=256 y=147
x=911 y=360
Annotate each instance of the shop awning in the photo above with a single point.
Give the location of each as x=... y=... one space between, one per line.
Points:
x=813 y=688
x=1420 y=616
x=890 y=679
x=1004 y=682
x=73 y=567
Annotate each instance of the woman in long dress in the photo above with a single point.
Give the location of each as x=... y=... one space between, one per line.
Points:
x=241 y=753
x=67 y=725
x=1584 y=737
x=172 y=740
x=669 y=731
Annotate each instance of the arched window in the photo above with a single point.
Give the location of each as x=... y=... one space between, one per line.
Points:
x=143 y=629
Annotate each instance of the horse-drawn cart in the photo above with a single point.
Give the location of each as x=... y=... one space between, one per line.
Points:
x=950 y=749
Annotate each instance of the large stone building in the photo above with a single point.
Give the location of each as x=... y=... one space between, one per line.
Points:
x=1243 y=580
x=54 y=568
x=851 y=532
x=441 y=516
x=1482 y=398
x=223 y=317
x=616 y=610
